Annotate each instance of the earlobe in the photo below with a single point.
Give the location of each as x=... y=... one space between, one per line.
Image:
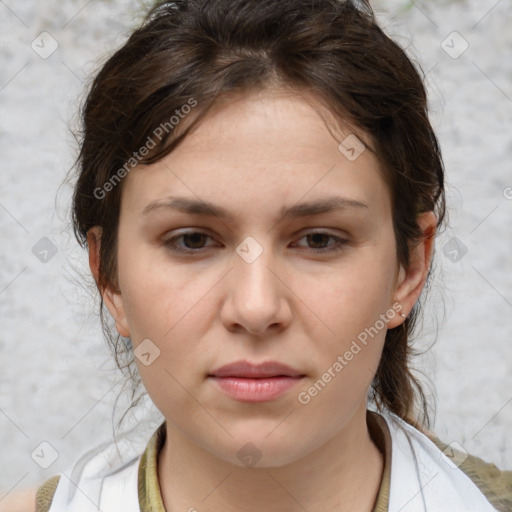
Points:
x=112 y=299
x=411 y=280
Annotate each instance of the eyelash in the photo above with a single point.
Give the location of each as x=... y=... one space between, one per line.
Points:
x=170 y=243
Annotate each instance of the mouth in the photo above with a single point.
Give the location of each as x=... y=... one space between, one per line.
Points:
x=248 y=382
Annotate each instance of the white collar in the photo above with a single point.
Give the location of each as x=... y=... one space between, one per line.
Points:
x=424 y=479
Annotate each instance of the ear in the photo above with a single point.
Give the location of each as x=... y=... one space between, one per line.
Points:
x=111 y=297
x=411 y=280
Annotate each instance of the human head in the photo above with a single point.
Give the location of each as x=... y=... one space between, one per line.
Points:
x=203 y=52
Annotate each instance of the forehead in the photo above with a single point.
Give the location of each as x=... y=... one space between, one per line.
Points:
x=260 y=151
x=271 y=123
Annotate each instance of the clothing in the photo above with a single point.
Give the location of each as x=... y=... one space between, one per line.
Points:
x=417 y=476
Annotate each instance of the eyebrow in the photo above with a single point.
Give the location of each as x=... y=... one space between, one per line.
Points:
x=198 y=207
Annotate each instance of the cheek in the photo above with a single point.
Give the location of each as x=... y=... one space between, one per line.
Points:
x=346 y=364
x=156 y=294
x=170 y=306
x=353 y=296
x=355 y=305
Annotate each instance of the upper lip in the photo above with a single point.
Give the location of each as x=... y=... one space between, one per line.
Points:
x=246 y=369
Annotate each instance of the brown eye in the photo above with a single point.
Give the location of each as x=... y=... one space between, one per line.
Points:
x=318 y=239
x=318 y=242
x=193 y=241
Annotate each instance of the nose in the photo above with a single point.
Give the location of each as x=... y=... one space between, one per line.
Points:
x=257 y=298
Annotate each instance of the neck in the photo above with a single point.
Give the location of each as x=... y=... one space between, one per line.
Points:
x=344 y=474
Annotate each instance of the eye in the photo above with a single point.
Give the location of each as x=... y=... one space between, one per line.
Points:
x=193 y=240
x=319 y=238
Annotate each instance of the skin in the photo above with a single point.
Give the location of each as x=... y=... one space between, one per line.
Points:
x=23 y=500
x=253 y=155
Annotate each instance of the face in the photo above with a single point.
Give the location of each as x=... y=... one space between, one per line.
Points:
x=269 y=277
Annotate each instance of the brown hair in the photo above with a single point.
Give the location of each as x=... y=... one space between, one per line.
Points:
x=203 y=50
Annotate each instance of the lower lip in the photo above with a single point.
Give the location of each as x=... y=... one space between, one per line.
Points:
x=255 y=390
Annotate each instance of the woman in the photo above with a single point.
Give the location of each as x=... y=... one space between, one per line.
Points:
x=290 y=140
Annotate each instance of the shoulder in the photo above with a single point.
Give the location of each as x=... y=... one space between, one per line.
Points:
x=494 y=483
x=45 y=493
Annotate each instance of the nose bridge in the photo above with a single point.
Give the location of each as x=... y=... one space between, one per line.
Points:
x=252 y=272
x=256 y=290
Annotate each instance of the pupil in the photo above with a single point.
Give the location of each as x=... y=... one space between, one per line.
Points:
x=194 y=236
x=320 y=235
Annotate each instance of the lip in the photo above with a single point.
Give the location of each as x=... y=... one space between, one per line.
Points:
x=252 y=382
x=248 y=370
